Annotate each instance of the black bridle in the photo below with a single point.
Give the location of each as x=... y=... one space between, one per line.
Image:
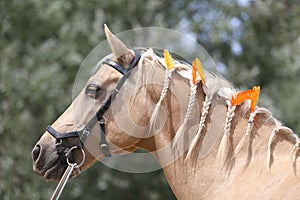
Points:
x=97 y=118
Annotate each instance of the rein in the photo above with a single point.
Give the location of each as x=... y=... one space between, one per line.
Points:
x=64 y=153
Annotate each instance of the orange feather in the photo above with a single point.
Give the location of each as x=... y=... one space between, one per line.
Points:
x=255 y=95
x=194 y=71
x=247 y=95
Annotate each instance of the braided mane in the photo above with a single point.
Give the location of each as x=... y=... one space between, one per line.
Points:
x=217 y=86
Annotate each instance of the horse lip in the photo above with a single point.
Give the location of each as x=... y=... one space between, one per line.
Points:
x=54 y=173
x=38 y=171
x=48 y=166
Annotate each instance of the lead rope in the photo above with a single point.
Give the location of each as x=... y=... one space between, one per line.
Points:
x=69 y=171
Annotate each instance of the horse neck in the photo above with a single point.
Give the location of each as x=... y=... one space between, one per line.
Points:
x=211 y=165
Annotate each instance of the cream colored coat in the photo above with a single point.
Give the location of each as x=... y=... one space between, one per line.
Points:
x=264 y=166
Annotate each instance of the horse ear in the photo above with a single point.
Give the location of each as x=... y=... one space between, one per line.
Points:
x=119 y=49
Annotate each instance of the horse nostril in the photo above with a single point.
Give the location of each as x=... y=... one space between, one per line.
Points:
x=36 y=152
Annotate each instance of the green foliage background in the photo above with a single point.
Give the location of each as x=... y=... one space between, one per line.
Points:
x=42 y=44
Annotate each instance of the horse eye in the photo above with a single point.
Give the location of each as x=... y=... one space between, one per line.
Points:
x=93 y=91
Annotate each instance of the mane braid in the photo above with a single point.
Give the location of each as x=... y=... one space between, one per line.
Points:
x=247 y=134
x=205 y=109
x=162 y=96
x=224 y=146
x=178 y=139
x=272 y=142
x=169 y=66
x=216 y=84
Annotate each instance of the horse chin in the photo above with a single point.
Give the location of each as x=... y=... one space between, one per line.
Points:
x=54 y=173
x=48 y=164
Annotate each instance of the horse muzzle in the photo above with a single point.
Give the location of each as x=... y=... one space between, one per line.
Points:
x=46 y=162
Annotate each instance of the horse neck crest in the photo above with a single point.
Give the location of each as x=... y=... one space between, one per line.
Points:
x=214 y=85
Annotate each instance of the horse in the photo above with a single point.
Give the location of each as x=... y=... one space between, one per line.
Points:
x=209 y=145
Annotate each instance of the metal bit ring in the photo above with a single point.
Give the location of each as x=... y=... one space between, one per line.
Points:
x=69 y=152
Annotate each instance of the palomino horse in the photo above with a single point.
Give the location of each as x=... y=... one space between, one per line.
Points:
x=211 y=141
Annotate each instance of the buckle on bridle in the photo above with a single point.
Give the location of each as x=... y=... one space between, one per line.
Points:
x=105 y=150
x=58 y=142
x=61 y=151
x=85 y=133
x=102 y=120
x=68 y=156
x=103 y=143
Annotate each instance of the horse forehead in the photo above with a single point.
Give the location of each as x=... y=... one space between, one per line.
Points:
x=106 y=72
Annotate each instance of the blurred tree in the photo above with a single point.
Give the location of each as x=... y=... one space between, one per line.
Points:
x=42 y=44
x=255 y=43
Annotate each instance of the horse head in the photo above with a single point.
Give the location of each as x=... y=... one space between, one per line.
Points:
x=87 y=131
